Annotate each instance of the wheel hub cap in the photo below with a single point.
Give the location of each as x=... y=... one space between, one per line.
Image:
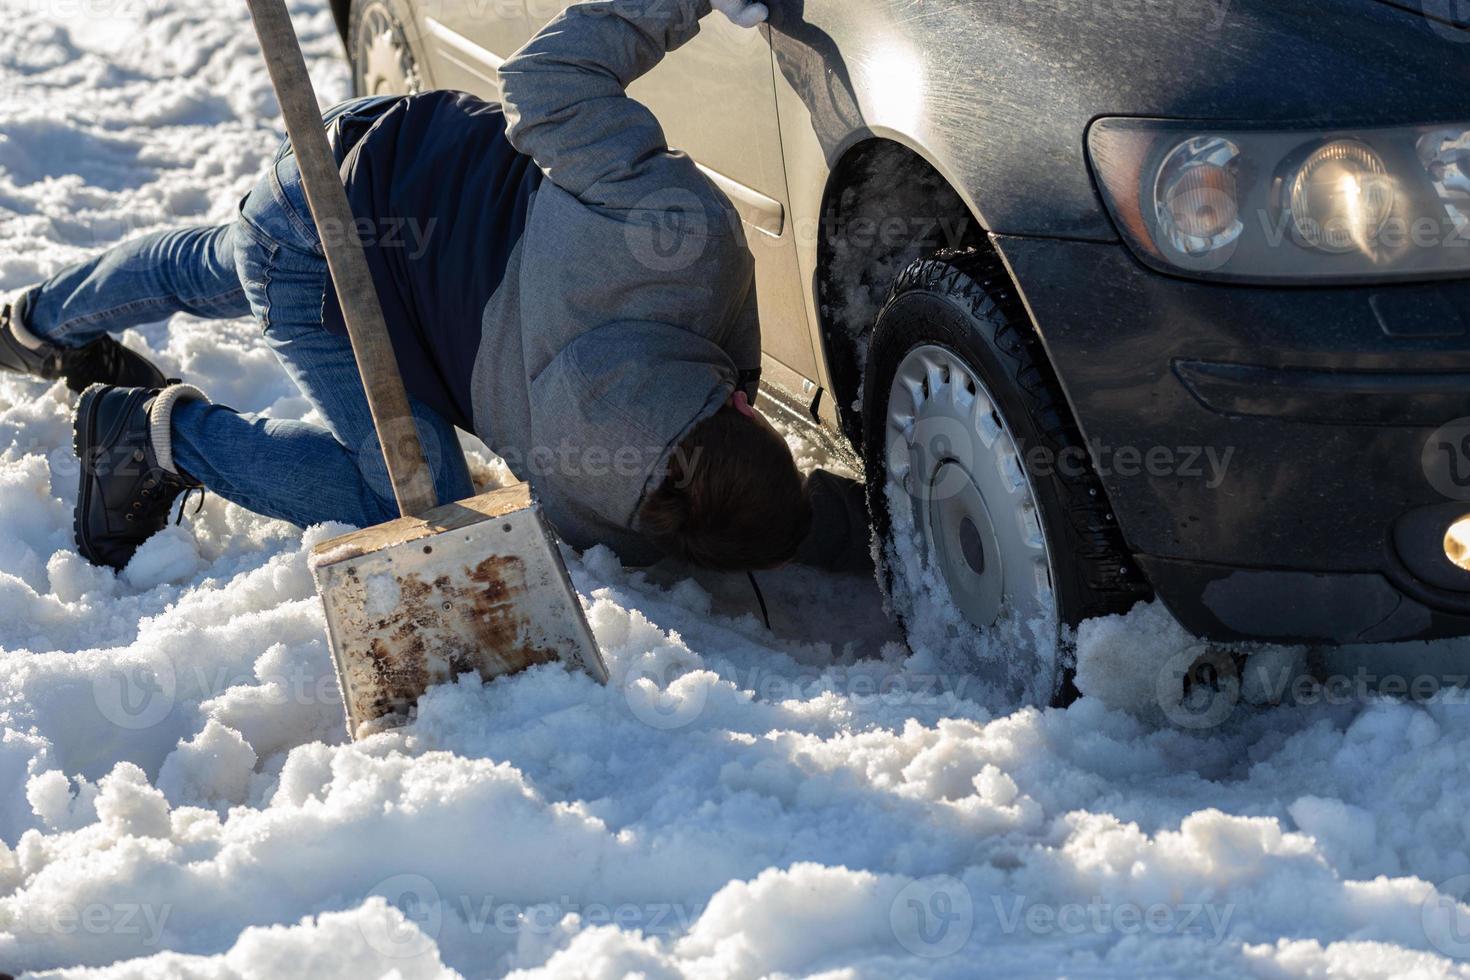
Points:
x=952 y=453
x=962 y=535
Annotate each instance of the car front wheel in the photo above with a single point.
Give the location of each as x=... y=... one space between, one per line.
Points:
x=995 y=535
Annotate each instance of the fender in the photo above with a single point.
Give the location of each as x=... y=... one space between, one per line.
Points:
x=997 y=96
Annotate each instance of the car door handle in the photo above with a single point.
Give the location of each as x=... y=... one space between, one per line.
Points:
x=765 y=214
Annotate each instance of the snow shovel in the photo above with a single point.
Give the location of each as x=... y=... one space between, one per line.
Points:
x=475 y=586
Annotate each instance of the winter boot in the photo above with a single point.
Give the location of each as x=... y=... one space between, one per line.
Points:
x=128 y=478
x=103 y=361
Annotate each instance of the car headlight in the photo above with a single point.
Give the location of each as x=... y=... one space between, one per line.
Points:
x=1255 y=205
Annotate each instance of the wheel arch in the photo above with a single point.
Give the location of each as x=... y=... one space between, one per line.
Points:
x=886 y=203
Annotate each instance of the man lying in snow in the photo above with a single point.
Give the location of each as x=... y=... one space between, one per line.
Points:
x=534 y=304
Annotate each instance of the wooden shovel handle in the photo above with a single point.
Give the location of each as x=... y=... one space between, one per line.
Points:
x=413 y=483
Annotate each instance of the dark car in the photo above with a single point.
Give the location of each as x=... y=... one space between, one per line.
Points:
x=1114 y=298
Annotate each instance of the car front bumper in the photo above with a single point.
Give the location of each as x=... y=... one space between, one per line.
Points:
x=1264 y=449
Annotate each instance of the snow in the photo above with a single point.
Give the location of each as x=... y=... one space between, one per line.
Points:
x=177 y=798
x=938 y=630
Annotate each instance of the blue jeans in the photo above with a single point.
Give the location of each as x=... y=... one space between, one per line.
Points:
x=268 y=262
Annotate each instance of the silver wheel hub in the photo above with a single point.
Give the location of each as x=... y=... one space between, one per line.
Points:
x=975 y=512
x=385 y=61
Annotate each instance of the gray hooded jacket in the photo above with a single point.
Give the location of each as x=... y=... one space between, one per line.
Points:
x=627 y=314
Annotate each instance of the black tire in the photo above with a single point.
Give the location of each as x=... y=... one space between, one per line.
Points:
x=366 y=15
x=963 y=301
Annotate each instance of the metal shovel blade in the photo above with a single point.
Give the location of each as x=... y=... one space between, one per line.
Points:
x=473 y=587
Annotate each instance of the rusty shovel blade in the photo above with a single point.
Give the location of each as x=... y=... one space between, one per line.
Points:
x=473 y=587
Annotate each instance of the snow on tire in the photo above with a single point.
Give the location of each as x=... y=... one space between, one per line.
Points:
x=995 y=537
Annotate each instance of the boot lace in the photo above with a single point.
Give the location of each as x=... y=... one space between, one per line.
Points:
x=184 y=500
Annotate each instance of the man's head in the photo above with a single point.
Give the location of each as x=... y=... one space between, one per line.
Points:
x=733 y=499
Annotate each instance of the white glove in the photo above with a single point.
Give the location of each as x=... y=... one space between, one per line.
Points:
x=742 y=13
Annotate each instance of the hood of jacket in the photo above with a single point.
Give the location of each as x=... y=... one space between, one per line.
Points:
x=611 y=410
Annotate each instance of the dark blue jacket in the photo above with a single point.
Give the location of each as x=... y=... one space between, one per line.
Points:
x=441 y=198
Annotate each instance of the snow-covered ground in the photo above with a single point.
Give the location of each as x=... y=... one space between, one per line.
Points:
x=176 y=798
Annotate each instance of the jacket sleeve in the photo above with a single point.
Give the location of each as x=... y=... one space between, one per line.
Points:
x=839 y=539
x=567 y=107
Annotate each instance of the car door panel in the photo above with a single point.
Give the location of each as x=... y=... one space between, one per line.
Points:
x=467 y=40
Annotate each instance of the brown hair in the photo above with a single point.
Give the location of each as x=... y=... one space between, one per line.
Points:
x=733 y=499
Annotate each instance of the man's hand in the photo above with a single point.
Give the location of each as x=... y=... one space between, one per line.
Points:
x=742 y=13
